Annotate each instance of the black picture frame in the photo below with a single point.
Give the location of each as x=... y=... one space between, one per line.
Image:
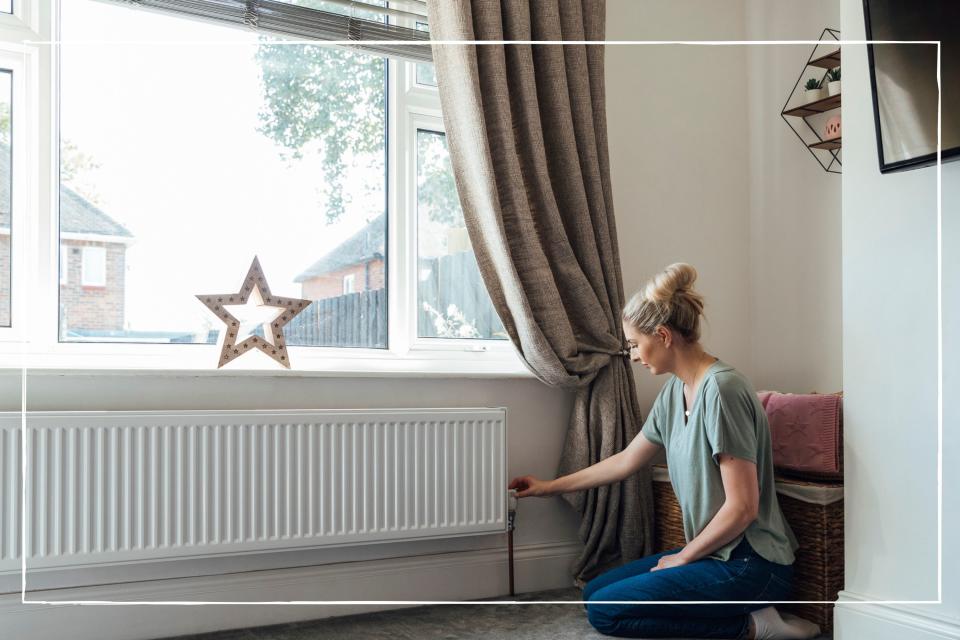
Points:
x=946 y=154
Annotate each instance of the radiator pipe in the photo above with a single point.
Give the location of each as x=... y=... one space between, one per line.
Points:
x=511 y=524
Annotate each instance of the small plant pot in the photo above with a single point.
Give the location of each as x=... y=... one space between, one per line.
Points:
x=833 y=88
x=812 y=95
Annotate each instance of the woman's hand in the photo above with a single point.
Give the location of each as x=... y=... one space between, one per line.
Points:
x=530 y=486
x=672 y=560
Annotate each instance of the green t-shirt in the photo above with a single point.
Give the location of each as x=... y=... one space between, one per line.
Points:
x=726 y=416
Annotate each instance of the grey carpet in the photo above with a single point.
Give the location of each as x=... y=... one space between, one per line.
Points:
x=442 y=622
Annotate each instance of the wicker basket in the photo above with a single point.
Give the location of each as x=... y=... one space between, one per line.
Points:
x=817 y=523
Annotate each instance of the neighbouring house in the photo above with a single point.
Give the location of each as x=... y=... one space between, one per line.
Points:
x=92 y=261
x=355 y=265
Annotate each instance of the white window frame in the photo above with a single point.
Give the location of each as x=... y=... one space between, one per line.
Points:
x=406 y=355
x=87 y=265
x=24 y=23
x=348 y=283
x=419 y=108
x=22 y=60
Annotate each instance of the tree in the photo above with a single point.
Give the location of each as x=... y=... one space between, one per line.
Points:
x=74 y=162
x=332 y=102
x=75 y=167
x=436 y=189
x=324 y=100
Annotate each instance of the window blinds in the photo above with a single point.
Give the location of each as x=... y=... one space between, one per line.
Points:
x=341 y=20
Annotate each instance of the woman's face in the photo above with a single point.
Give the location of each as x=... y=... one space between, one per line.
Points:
x=647 y=350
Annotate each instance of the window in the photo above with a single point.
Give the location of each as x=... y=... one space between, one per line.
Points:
x=186 y=195
x=452 y=298
x=176 y=165
x=93 y=270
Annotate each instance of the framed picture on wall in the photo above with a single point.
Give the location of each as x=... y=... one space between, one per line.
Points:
x=903 y=80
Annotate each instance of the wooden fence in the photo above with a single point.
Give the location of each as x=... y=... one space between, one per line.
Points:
x=360 y=319
x=455 y=279
x=351 y=320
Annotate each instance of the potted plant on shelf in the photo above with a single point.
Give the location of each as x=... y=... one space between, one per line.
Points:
x=812 y=91
x=833 y=87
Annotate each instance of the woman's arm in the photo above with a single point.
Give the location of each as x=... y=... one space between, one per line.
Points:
x=611 y=469
x=738 y=510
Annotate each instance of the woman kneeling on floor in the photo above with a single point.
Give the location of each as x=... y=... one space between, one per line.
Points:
x=739 y=546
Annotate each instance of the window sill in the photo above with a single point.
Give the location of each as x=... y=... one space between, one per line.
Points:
x=200 y=361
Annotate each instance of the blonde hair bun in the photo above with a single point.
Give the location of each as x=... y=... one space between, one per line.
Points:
x=670 y=299
x=676 y=278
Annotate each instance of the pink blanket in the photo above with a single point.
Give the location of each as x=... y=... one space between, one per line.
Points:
x=806 y=431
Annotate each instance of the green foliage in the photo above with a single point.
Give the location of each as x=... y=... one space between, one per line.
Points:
x=812 y=83
x=331 y=101
x=436 y=189
x=834 y=74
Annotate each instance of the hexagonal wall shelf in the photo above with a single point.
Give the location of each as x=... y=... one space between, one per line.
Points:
x=820 y=129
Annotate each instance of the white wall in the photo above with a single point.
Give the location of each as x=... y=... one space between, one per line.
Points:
x=677 y=116
x=705 y=171
x=890 y=378
x=794 y=212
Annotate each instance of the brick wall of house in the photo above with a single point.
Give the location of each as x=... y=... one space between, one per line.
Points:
x=4 y=280
x=331 y=284
x=94 y=308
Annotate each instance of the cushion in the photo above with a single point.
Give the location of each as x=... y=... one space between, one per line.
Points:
x=806 y=432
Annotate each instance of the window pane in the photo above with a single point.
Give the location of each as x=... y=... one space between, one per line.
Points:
x=426 y=74
x=6 y=203
x=452 y=299
x=6 y=6
x=181 y=163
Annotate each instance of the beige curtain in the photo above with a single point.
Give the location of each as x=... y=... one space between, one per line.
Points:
x=526 y=128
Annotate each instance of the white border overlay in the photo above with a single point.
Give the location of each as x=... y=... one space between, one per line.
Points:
x=939 y=600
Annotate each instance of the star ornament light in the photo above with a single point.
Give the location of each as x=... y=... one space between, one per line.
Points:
x=254 y=288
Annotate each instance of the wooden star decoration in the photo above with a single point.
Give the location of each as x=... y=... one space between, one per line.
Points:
x=273 y=343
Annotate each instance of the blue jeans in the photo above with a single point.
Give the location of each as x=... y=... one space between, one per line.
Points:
x=745 y=576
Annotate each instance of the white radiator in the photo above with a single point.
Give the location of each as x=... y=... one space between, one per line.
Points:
x=123 y=486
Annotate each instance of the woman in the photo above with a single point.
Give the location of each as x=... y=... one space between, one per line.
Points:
x=717 y=440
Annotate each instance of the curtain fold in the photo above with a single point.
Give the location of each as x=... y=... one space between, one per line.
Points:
x=526 y=129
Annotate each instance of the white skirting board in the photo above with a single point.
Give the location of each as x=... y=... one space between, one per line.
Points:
x=890 y=621
x=448 y=577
